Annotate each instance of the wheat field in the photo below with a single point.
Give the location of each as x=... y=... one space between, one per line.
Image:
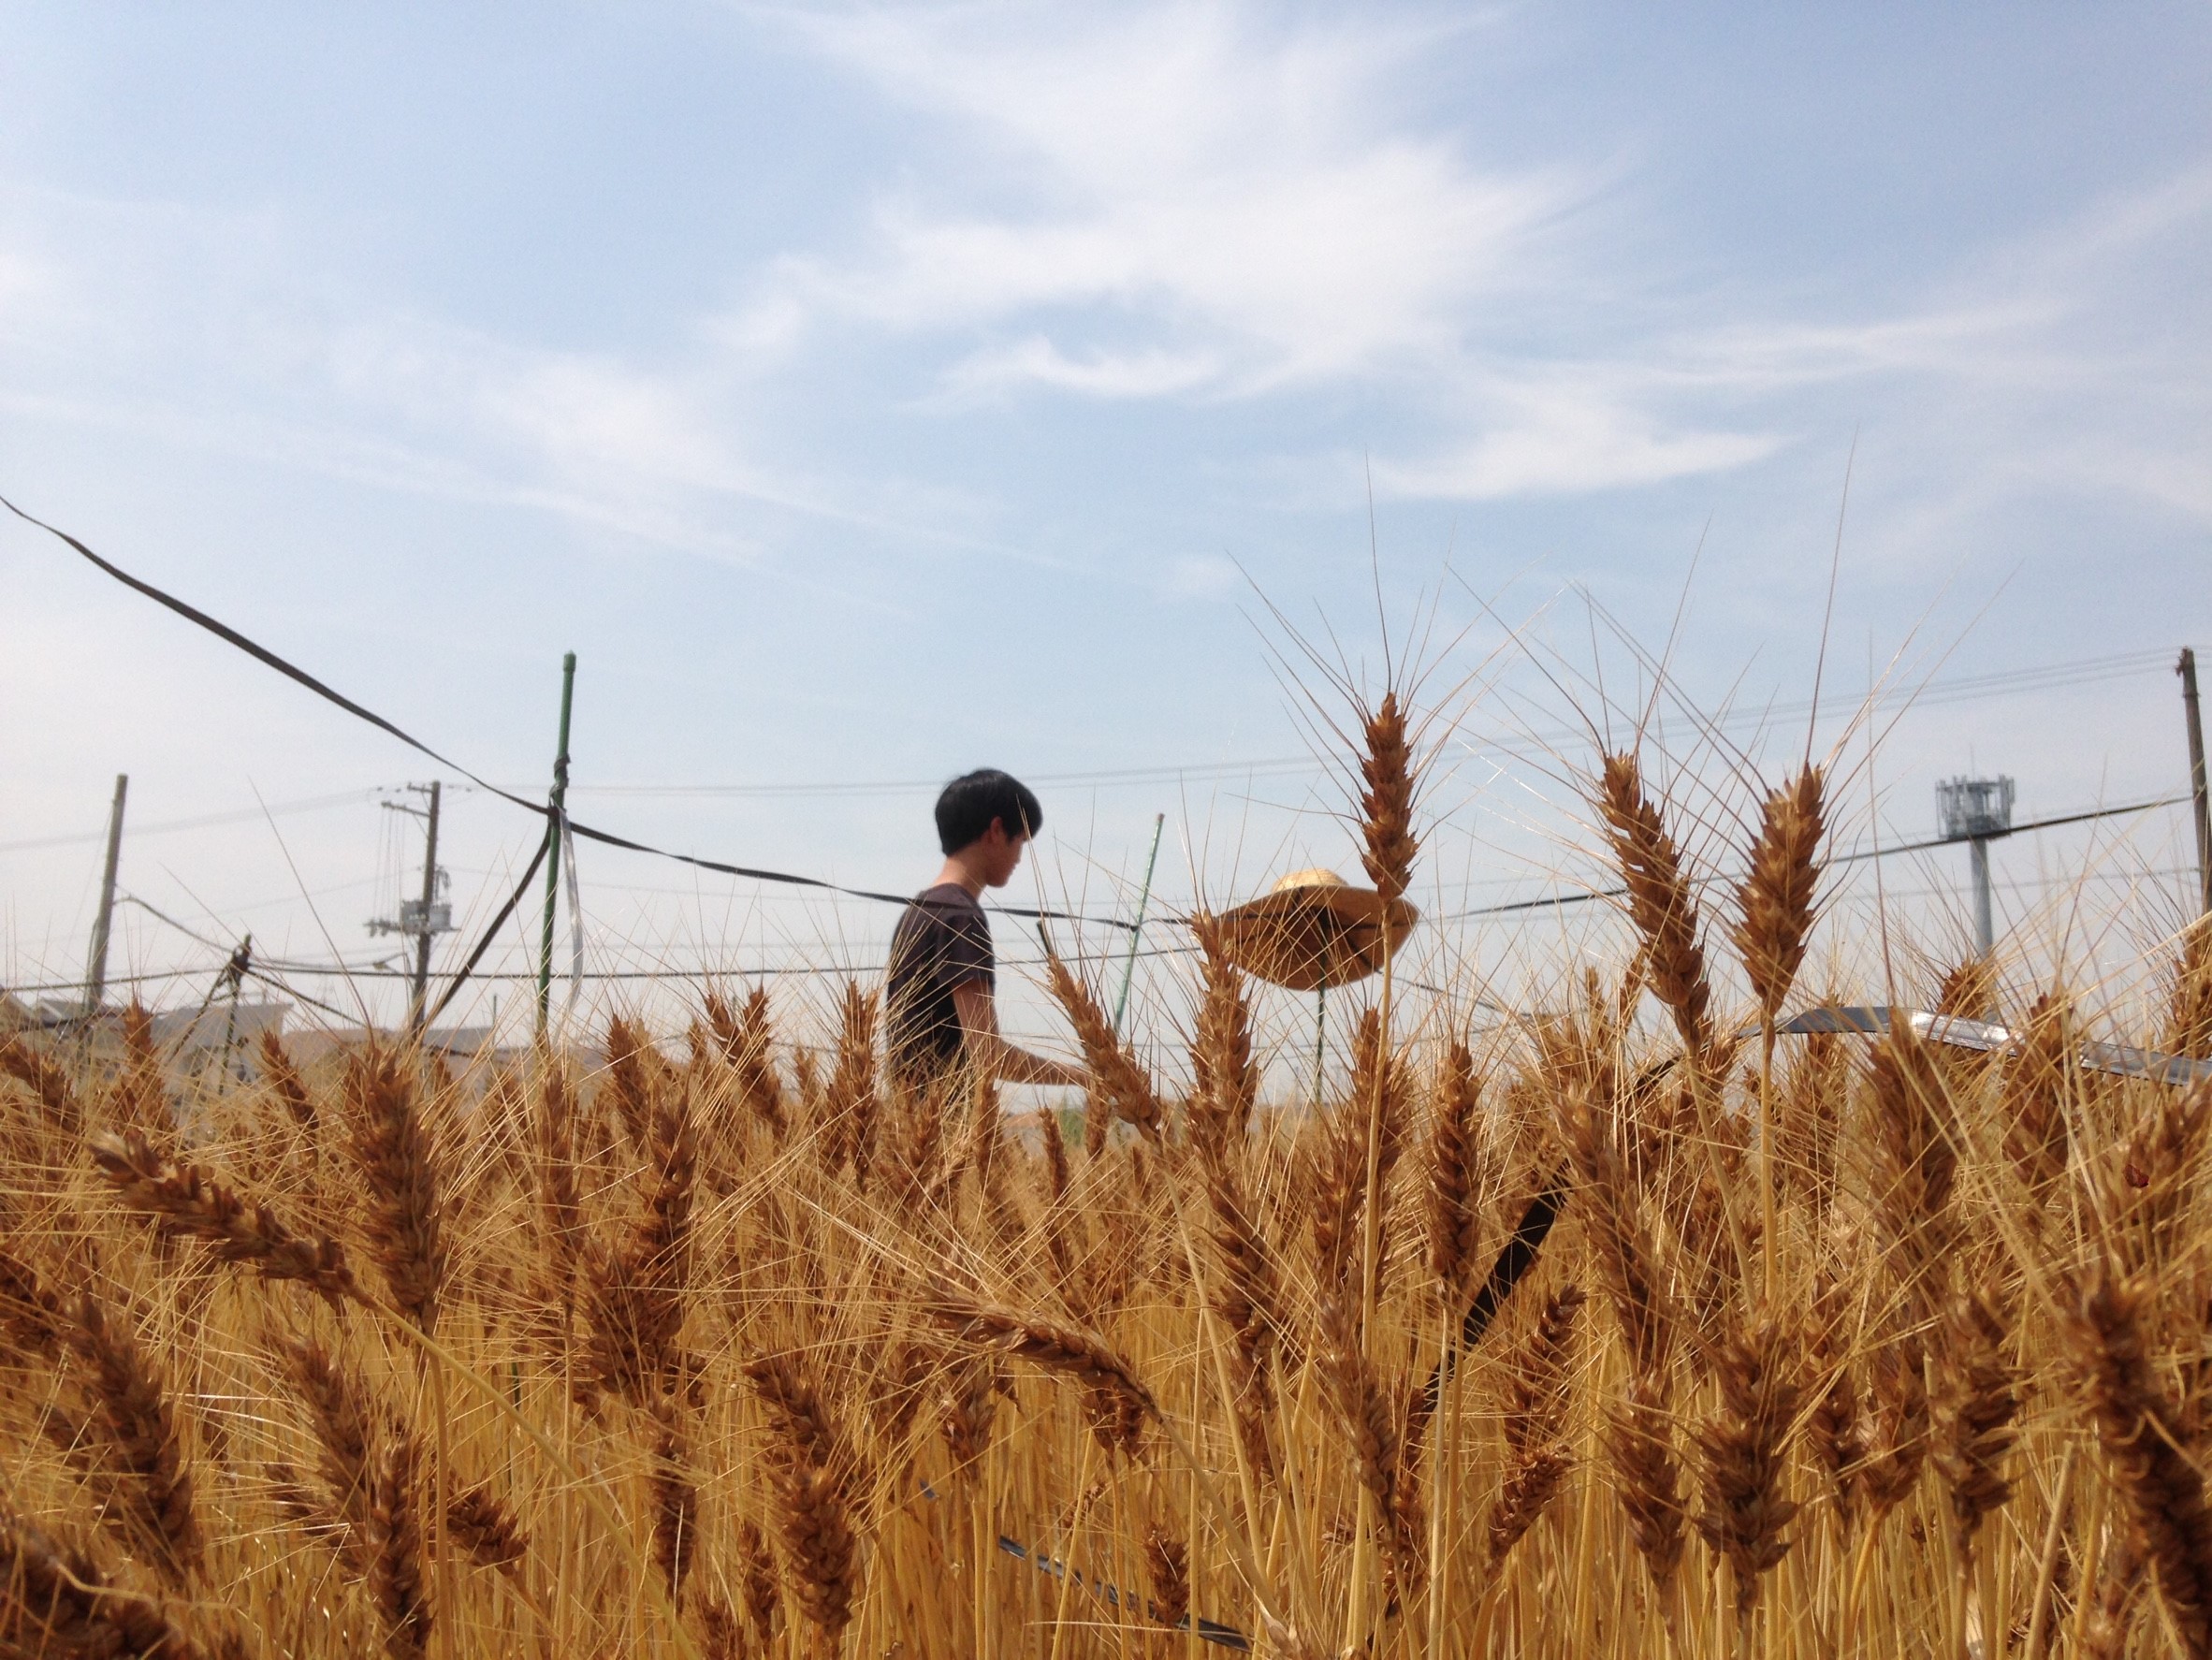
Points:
x=1838 y=1346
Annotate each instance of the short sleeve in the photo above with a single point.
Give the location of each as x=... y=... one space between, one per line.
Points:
x=967 y=949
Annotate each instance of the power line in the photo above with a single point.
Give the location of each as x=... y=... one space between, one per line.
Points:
x=558 y=821
x=204 y=821
x=695 y=972
x=277 y=963
x=1586 y=896
x=1956 y=689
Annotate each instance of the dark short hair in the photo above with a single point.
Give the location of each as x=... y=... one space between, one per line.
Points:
x=973 y=800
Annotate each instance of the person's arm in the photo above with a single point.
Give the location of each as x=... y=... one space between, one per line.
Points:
x=979 y=1033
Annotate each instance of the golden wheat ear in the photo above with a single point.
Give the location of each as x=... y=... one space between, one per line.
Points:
x=1118 y=1081
x=1774 y=901
x=1534 y=1425
x=2189 y=1001
x=1058 y=1346
x=133 y=1440
x=186 y=1200
x=1455 y=1176
x=1225 y=1083
x=1661 y=902
x=1390 y=780
x=402 y=1172
x=2146 y=1447
x=1744 y=1448
x=816 y=1474
x=58 y=1601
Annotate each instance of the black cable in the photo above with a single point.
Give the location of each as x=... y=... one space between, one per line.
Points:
x=498 y=922
x=229 y=635
x=1873 y=853
x=607 y=839
x=298 y=995
x=1920 y=847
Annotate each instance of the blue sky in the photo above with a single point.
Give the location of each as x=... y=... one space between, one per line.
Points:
x=864 y=394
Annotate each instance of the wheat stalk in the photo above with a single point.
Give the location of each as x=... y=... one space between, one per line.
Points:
x=1116 y=1079
x=47 y=1080
x=1744 y=1448
x=188 y=1201
x=1660 y=903
x=2147 y=1453
x=1073 y=1351
x=139 y=1446
x=55 y=1600
x=1455 y=1176
x=405 y=1207
x=1535 y=1423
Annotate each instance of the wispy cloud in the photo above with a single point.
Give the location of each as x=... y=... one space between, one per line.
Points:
x=2057 y=361
x=214 y=329
x=1224 y=189
x=1561 y=439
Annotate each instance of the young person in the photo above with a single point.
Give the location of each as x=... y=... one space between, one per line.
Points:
x=939 y=993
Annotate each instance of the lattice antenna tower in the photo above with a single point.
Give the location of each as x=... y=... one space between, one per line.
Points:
x=1976 y=811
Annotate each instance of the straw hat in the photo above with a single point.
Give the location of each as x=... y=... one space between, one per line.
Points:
x=1313 y=928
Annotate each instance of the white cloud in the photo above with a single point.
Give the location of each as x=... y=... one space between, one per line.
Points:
x=1150 y=373
x=1186 y=172
x=215 y=329
x=1557 y=442
x=1205 y=578
x=2057 y=362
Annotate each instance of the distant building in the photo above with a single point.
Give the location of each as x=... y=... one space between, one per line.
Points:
x=186 y=1031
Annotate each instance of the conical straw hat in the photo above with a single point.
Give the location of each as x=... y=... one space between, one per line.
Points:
x=1313 y=928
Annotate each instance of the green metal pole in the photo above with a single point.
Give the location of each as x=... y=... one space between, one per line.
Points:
x=553 y=822
x=1128 y=968
x=1320 y=1036
x=1322 y=1003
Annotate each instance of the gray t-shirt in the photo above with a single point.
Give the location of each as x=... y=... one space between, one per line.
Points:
x=942 y=941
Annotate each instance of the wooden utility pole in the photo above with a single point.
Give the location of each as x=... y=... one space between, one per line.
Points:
x=430 y=895
x=2201 y=807
x=95 y=980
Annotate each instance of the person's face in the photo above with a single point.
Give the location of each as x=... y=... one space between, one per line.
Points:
x=1002 y=853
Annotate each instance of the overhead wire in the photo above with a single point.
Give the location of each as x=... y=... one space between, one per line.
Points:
x=200 y=822
x=558 y=821
x=1586 y=896
x=555 y=817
